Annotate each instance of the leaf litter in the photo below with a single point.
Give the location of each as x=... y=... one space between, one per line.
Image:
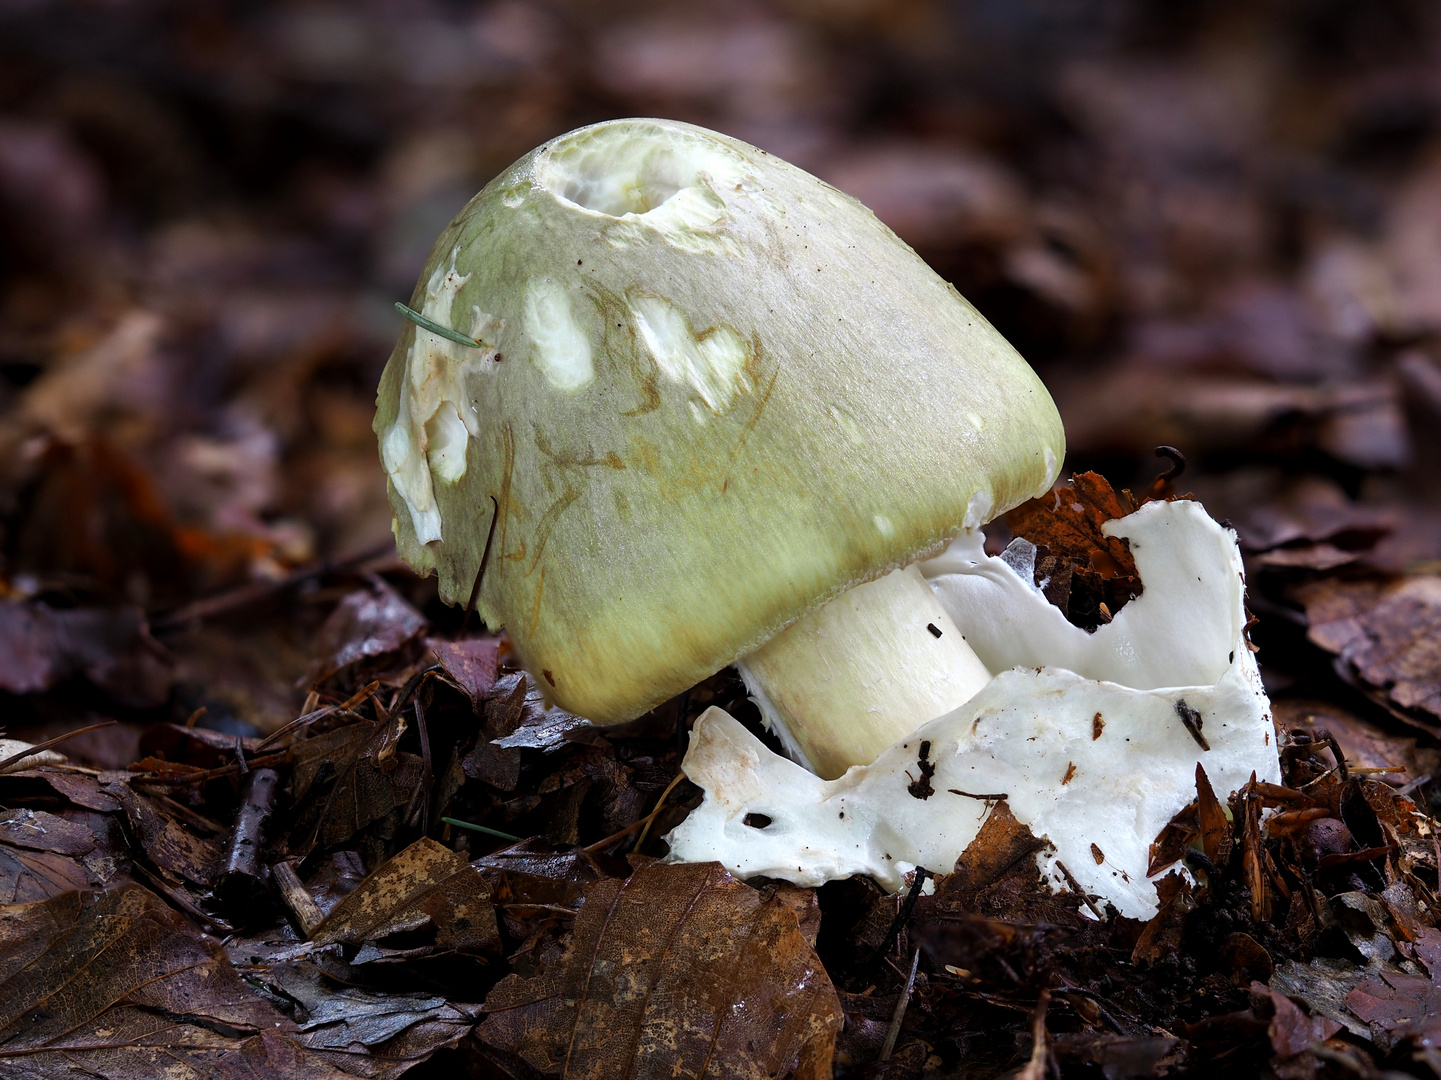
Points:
x=335 y=831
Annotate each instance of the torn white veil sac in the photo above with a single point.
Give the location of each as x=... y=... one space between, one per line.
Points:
x=1093 y=738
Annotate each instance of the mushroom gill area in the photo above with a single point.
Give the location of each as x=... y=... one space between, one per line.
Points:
x=1092 y=739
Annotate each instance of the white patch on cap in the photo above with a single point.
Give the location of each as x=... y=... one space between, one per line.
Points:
x=884 y=526
x=447 y=438
x=434 y=417
x=711 y=364
x=559 y=345
x=978 y=509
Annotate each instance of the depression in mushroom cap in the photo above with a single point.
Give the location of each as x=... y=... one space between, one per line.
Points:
x=712 y=412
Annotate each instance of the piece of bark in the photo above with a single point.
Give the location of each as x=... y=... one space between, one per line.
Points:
x=296 y=897
x=244 y=875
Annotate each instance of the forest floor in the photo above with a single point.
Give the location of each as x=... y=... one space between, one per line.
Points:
x=303 y=820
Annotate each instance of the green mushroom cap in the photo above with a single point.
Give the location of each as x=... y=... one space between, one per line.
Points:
x=709 y=393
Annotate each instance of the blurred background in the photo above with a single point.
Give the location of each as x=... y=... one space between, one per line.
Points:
x=1214 y=224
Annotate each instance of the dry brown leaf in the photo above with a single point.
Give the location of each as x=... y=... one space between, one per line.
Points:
x=1132 y=406
x=1162 y=935
x=39 y=856
x=1087 y=574
x=1292 y=1031
x=30 y=876
x=374 y=1034
x=1069 y=520
x=473 y=664
x=678 y=971
x=1173 y=840
x=1211 y=818
x=999 y=847
x=1310 y=511
x=1389 y=633
x=80 y=788
x=42 y=831
x=1403 y=1004
x=367 y=623
x=40 y=647
x=425 y=883
x=117 y=984
x=367 y=780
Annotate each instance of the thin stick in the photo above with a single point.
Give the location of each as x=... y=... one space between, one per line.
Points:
x=634 y=825
x=894 y=1032
x=908 y=905
x=212 y=774
x=1041 y=1043
x=297 y=897
x=413 y=685
x=48 y=743
x=1076 y=888
x=481 y=829
x=1412 y=785
x=480 y=571
x=179 y=899
x=320 y=713
x=658 y=804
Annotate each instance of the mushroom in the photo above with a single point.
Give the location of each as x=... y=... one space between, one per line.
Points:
x=701 y=408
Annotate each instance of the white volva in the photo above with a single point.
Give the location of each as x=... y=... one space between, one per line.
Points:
x=1081 y=732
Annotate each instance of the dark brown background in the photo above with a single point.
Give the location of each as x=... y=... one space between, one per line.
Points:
x=1208 y=224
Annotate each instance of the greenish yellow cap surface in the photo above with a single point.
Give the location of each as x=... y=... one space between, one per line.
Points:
x=712 y=392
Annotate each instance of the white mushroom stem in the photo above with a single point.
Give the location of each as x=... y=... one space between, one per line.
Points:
x=848 y=680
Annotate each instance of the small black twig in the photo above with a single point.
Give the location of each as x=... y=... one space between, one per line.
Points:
x=413 y=684
x=232 y=600
x=1321 y=735
x=244 y=877
x=995 y=796
x=1076 y=888
x=240 y=756
x=1100 y=1003
x=480 y=571
x=908 y=905
x=1178 y=464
